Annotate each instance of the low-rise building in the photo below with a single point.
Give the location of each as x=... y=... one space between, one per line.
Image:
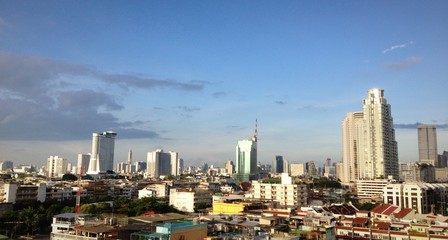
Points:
x=12 y=192
x=286 y=193
x=185 y=199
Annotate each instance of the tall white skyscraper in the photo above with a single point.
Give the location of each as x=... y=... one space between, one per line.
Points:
x=350 y=146
x=427 y=144
x=56 y=166
x=370 y=144
x=102 y=156
x=246 y=159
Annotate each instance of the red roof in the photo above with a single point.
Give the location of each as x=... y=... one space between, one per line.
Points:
x=404 y=212
x=380 y=208
x=390 y=210
x=386 y=209
x=382 y=225
x=361 y=220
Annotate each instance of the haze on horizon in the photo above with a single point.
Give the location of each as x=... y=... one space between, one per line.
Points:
x=193 y=76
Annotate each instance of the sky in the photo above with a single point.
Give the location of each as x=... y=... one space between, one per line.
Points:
x=193 y=76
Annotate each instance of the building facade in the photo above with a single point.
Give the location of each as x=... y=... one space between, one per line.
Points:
x=161 y=163
x=102 y=155
x=56 y=166
x=286 y=193
x=423 y=197
x=369 y=146
x=246 y=159
x=350 y=146
x=427 y=144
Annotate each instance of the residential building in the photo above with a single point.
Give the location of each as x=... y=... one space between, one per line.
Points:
x=369 y=146
x=56 y=166
x=371 y=190
x=246 y=159
x=12 y=192
x=427 y=144
x=185 y=199
x=379 y=159
x=351 y=127
x=102 y=155
x=286 y=193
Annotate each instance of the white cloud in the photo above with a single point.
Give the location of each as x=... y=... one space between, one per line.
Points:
x=396 y=47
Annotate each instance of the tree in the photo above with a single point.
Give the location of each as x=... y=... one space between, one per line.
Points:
x=69 y=177
x=30 y=218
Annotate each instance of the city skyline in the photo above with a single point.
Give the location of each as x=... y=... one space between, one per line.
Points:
x=192 y=77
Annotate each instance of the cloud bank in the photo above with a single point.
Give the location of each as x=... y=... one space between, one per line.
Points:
x=45 y=99
x=406 y=63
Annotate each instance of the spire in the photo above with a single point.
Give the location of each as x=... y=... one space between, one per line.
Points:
x=256 y=130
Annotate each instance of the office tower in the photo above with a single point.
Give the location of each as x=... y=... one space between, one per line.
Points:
x=310 y=168
x=246 y=159
x=378 y=156
x=278 y=164
x=181 y=166
x=161 y=163
x=350 y=146
x=229 y=167
x=427 y=144
x=129 y=162
x=83 y=163
x=56 y=166
x=102 y=156
x=140 y=166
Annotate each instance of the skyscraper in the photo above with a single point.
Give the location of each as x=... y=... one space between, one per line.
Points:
x=350 y=146
x=162 y=163
x=278 y=164
x=102 y=156
x=427 y=144
x=378 y=156
x=246 y=159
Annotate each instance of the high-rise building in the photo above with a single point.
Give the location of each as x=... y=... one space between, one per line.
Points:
x=229 y=167
x=278 y=164
x=369 y=146
x=246 y=159
x=162 y=163
x=310 y=169
x=6 y=166
x=350 y=146
x=83 y=163
x=427 y=144
x=56 y=166
x=102 y=156
x=129 y=162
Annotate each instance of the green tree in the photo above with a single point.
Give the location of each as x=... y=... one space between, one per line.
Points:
x=69 y=177
x=30 y=218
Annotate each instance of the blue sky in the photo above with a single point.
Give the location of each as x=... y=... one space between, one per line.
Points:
x=192 y=76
